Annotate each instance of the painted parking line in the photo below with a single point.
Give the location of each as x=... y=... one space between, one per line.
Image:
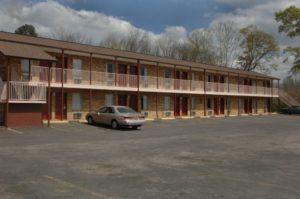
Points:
x=15 y=131
x=73 y=186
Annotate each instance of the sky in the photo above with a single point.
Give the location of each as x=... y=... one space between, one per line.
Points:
x=100 y=18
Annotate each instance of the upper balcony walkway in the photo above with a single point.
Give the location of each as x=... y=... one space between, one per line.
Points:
x=114 y=81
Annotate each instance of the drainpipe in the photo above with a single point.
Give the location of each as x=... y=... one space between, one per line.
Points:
x=90 y=70
x=204 y=101
x=49 y=95
x=7 y=92
x=62 y=84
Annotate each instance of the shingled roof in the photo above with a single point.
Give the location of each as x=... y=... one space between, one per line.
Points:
x=46 y=42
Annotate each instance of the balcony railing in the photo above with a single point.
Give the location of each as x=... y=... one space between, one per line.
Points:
x=73 y=77
x=148 y=82
x=27 y=92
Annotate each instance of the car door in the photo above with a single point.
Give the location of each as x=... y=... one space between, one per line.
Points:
x=110 y=115
x=100 y=115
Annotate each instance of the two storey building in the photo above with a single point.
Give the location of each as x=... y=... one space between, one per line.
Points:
x=50 y=80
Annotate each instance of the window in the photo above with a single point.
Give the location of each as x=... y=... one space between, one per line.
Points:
x=109 y=100
x=102 y=110
x=144 y=103
x=193 y=76
x=228 y=101
x=167 y=73
x=193 y=105
x=125 y=110
x=25 y=68
x=110 y=110
x=209 y=78
x=144 y=71
x=167 y=103
x=209 y=105
x=77 y=66
x=76 y=102
x=110 y=68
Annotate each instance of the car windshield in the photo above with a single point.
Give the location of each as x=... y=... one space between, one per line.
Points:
x=125 y=110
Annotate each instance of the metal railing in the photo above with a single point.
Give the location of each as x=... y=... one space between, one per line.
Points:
x=26 y=92
x=82 y=77
x=148 y=82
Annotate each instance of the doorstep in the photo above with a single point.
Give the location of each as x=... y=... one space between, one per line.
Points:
x=168 y=118
x=56 y=121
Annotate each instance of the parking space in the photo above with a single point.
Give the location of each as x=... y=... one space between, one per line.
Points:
x=232 y=157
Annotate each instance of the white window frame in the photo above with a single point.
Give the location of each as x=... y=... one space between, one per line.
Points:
x=25 y=69
x=167 y=103
x=144 y=104
x=193 y=103
x=76 y=102
x=109 y=99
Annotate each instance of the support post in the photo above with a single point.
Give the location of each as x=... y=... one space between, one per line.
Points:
x=62 y=83
x=90 y=70
x=7 y=91
x=239 y=100
x=190 y=91
x=157 y=78
x=49 y=95
x=238 y=83
x=204 y=101
x=116 y=68
x=228 y=86
x=156 y=105
x=138 y=85
x=174 y=83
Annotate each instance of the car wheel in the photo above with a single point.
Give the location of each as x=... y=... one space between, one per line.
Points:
x=114 y=124
x=90 y=120
x=135 y=127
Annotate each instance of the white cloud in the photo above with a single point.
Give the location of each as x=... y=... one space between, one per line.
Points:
x=262 y=14
x=244 y=3
x=50 y=15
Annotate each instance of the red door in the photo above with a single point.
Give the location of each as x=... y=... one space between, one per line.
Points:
x=184 y=76
x=133 y=102
x=184 y=106
x=268 y=105
x=177 y=107
x=122 y=100
x=59 y=106
x=216 y=80
x=122 y=77
x=133 y=76
x=222 y=106
x=250 y=105
x=216 y=106
x=246 y=107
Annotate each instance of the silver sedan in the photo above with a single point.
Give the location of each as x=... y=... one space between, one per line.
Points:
x=116 y=116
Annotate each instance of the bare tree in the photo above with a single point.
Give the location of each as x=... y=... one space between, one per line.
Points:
x=65 y=35
x=166 y=47
x=135 y=41
x=227 y=38
x=111 y=41
x=202 y=46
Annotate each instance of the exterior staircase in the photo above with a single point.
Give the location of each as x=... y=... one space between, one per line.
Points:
x=287 y=99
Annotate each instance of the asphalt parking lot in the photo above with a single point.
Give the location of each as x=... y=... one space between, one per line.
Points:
x=238 y=157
